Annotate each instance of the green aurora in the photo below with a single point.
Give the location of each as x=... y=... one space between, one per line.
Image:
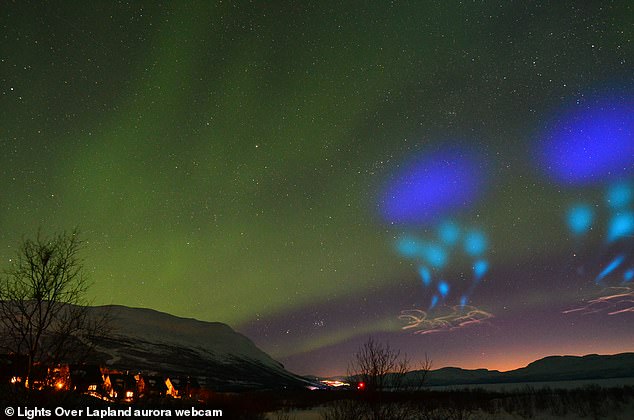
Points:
x=222 y=159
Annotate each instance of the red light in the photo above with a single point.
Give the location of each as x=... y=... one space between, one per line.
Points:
x=361 y=386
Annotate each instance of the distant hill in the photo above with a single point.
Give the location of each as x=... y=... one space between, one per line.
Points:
x=552 y=368
x=221 y=359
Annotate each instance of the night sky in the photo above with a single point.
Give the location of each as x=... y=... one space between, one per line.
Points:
x=453 y=177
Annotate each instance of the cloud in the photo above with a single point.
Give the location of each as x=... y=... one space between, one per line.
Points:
x=612 y=301
x=447 y=319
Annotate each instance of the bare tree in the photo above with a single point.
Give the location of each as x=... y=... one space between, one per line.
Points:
x=43 y=306
x=378 y=366
x=381 y=368
x=423 y=368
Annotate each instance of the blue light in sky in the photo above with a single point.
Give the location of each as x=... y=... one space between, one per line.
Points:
x=591 y=142
x=480 y=268
x=434 y=301
x=580 y=218
x=475 y=243
x=443 y=288
x=408 y=247
x=628 y=275
x=614 y=264
x=449 y=232
x=425 y=275
x=463 y=301
x=435 y=255
x=431 y=186
x=621 y=225
x=619 y=195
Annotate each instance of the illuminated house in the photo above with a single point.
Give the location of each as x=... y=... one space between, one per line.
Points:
x=121 y=387
x=58 y=378
x=155 y=386
x=39 y=377
x=86 y=378
x=99 y=382
x=183 y=387
x=13 y=368
x=171 y=390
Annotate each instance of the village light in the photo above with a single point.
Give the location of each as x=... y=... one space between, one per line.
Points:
x=335 y=384
x=129 y=394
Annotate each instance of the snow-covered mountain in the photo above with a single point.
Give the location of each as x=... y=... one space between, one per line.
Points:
x=220 y=358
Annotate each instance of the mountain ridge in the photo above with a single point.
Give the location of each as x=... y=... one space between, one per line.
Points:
x=546 y=369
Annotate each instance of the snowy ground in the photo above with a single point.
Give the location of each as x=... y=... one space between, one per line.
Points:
x=575 y=400
x=515 y=386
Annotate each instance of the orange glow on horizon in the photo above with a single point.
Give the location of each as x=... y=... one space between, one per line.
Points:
x=518 y=358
